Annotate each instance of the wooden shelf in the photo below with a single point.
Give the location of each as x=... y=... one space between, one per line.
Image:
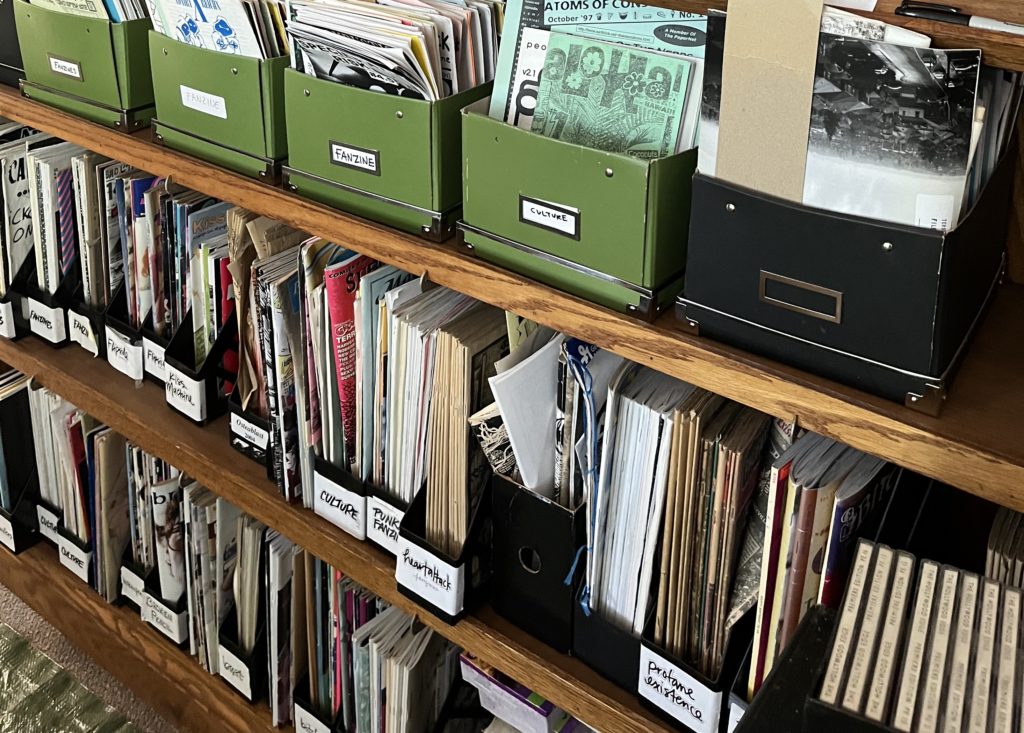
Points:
x=974 y=445
x=140 y=413
x=168 y=679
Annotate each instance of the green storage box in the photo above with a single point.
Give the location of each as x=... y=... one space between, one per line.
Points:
x=221 y=107
x=382 y=157
x=86 y=66
x=604 y=226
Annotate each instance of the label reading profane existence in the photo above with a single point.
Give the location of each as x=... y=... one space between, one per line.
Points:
x=677 y=693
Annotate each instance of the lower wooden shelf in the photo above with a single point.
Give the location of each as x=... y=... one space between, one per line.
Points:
x=168 y=679
x=140 y=413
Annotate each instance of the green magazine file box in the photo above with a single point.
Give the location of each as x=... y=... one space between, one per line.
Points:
x=221 y=107
x=382 y=157
x=604 y=226
x=86 y=66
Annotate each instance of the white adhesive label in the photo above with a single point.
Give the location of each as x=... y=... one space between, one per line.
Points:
x=306 y=722
x=547 y=215
x=339 y=506
x=360 y=159
x=172 y=625
x=7 y=534
x=132 y=587
x=74 y=559
x=123 y=355
x=429 y=577
x=735 y=715
x=48 y=323
x=48 y=522
x=249 y=432
x=382 y=521
x=235 y=672
x=81 y=332
x=209 y=104
x=677 y=693
x=187 y=396
x=153 y=359
x=7 y=329
x=65 y=68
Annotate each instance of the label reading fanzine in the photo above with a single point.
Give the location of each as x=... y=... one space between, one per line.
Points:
x=187 y=396
x=235 y=672
x=382 y=521
x=48 y=323
x=209 y=104
x=172 y=625
x=153 y=359
x=65 y=67
x=48 y=522
x=81 y=332
x=7 y=321
x=430 y=577
x=74 y=558
x=250 y=433
x=7 y=534
x=350 y=156
x=132 y=587
x=677 y=693
x=339 y=506
x=547 y=215
x=306 y=722
x=123 y=355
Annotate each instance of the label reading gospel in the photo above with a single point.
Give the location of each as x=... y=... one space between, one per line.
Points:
x=48 y=522
x=81 y=332
x=429 y=577
x=172 y=625
x=235 y=672
x=547 y=215
x=7 y=321
x=185 y=395
x=209 y=104
x=123 y=355
x=382 y=521
x=7 y=534
x=339 y=506
x=153 y=359
x=360 y=159
x=677 y=693
x=48 y=323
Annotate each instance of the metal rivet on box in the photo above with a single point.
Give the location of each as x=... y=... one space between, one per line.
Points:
x=306 y=92
x=887 y=246
x=913 y=398
x=632 y=307
x=469 y=246
x=730 y=208
x=399 y=114
x=609 y=172
x=165 y=52
x=234 y=71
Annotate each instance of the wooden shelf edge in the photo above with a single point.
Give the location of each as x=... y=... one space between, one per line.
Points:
x=166 y=678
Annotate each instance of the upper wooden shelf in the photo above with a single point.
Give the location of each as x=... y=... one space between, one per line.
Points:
x=139 y=412
x=975 y=445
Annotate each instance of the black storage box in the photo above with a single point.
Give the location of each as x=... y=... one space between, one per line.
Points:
x=153 y=348
x=536 y=542
x=246 y=673
x=86 y=325
x=123 y=340
x=883 y=307
x=449 y=587
x=308 y=719
x=250 y=434
x=198 y=393
x=16 y=534
x=11 y=68
x=48 y=312
x=610 y=651
x=133 y=581
x=13 y=306
x=170 y=619
x=75 y=555
x=339 y=497
x=50 y=519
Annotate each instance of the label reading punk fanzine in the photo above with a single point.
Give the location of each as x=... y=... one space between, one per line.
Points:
x=235 y=672
x=677 y=693
x=153 y=359
x=123 y=355
x=7 y=321
x=81 y=332
x=360 y=159
x=187 y=396
x=339 y=506
x=547 y=215
x=48 y=323
x=430 y=577
x=382 y=522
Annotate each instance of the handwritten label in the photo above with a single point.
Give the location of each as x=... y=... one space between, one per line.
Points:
x=64 y=67
x=48 y=323
x=208 y=104
x=123 y=355
x=339 y=506
x=48 y=522
x=186 y=395
x=74 y=558
x=360 y=159
x=153 y=359
x=172 y=625
x=514 y=710
x=7 y=329
x=132 y=587
x=677 y=693
x=250 y=433
x=382 y=521
x=735 y=715
x=429 y=577
x=7 y=533
x=235 y=672
x=546 y=215
x=306 y=722
x=81 y=332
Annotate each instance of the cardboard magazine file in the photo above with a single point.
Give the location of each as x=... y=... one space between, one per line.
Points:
x=153 y=348
x=604 y=226
x=15 y=534
x=738 y=701
x=384 y=515
x=391 y=159
x=48 y=312
x=449 y=587
x=677 y=692
x=612 y=652
x=536 y=542
x=50 y=519
x=170 y=619
x=307 y=718
x=75 y=555
x=89 y=67
x=220 y=107
x=12 y=70
x=86 y=325
x=197 y=392
x=886 y=308
x=14 y=321
x=19 y=527
x=133 y=582
x=339 y=497
x=250 y=434
x=246 y=673
x=123 y=341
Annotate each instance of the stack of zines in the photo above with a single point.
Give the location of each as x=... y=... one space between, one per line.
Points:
x=112 y=10
x=252 y=28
